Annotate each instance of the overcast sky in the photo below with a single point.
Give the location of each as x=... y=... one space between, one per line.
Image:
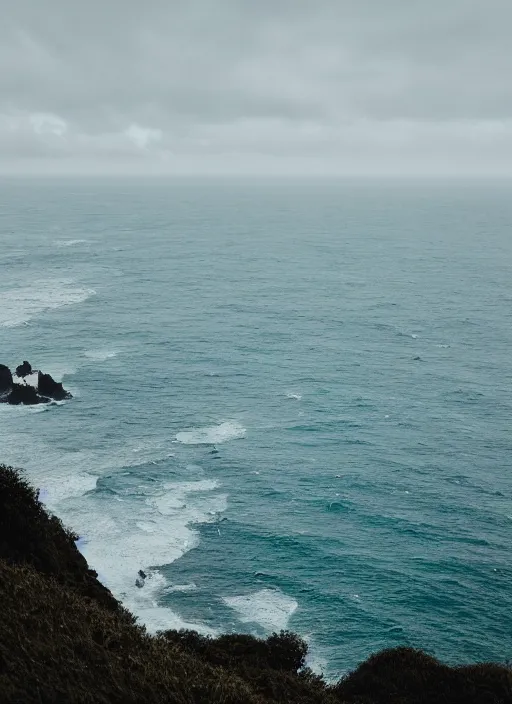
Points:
x=256 y=86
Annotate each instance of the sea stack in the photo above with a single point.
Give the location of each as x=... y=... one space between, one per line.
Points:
x=5 y=379
x=24 y=369
x=29 y=394
x=47 y=386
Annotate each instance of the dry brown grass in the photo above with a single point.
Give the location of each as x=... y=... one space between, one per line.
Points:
x=58 y=646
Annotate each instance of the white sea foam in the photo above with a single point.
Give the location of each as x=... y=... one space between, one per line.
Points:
x=143 y=535
x=140 y=452
x=69 y=473
x=269 y=608
x=143 y=601
x=160 y=618
x=66 y=486
x=69 y=243
x=58 y=475
x=182 y=588
x=213 y=435
x=100 y=355
x=315 y=659
x=19 y=305
x=176 y=499
x=296 y=397
x=141 y=526
x=11 y=413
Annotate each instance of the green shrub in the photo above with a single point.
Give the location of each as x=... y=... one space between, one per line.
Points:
x=408 y=676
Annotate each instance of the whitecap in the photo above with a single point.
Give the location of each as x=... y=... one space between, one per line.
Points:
x=69 y=243
x=182 y=588
x=213 y=435
x=269 y=608
x=176 y=498
x=19 y=305
x=296 y=397
x=100 y=355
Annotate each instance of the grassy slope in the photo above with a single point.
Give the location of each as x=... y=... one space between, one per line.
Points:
x=64 y=638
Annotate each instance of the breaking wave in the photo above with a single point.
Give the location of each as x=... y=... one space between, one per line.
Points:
x=269 y=608
x=21 y=304
x=212 y=435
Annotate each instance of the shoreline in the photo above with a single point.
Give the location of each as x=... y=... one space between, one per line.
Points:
x=68 y=634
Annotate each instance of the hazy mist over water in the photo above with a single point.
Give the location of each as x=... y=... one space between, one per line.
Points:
x=292 y=401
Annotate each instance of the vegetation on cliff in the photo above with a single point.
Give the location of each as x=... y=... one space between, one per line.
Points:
x=64 y=638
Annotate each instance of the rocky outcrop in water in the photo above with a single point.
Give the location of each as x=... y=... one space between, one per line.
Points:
x=5 y=379
x=24 y=369
x=47 y=386
x=14 y=393
x=24 y=394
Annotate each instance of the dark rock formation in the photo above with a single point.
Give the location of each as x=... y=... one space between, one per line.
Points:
x=5 y=379
x=25 y=394
x=47 y=386
x=24 y=369
x=141 y=578
x=15 y=394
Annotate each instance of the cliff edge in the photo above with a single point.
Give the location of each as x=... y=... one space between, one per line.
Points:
x=65 y=638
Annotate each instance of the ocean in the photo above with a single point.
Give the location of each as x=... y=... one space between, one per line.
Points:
x=292 y=401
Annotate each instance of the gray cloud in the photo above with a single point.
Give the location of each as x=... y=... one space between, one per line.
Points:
x=234 y=85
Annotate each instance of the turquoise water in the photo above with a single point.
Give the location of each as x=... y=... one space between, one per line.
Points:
x=292 y=402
